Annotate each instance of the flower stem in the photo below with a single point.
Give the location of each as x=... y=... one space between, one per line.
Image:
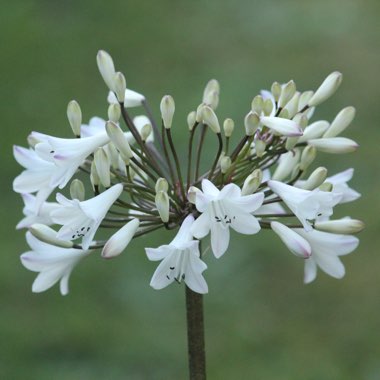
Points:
x=195 y=335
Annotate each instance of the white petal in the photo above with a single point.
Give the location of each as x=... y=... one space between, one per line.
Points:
x=201 y=226
x=331 y=265
x=161 y=277
x=220 y=238
x=230 y=191
x=46 y=280
x=157 y=254
x=193 y=278
x=209 y=189
x=184 y=234
x=245 y=224
x=247 y=203
x=310 y=271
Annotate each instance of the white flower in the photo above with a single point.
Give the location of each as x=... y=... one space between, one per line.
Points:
x=296 y=243
x=306 y=205
x=132 y=98
x=119 y=240
x=36 y=215
x=180 y=261
x=223 y=209
x=54 y=264
x=95 y=126
x=36 y=177
x=67 y=154
x=82 y=219
x=282 y=126
x=339 y=182
x=325 y=251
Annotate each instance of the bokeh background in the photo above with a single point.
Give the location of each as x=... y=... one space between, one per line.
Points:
x=262 y=322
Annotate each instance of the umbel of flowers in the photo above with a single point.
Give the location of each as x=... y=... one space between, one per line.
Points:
x=126 y=174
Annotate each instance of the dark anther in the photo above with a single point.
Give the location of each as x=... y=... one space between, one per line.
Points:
x=172 y=268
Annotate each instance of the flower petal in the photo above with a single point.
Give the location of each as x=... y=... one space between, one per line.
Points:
x=245 y=224
x=209 y=189
x=201 y=226
x=220 y=238
x=310 y=271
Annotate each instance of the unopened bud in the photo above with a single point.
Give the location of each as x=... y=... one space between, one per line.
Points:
x=114 y=112
x=252 y=182
x=341 y=122
x=276 y=91
x=341 y=226
x=316 y=178
x=286 y=165
x=260 y=147
x=106 y=68
x=120 y=86
x=326 y=89
x=314 y=130
x=212 y=86
x=292 y=105
x=257 y=104
x=225 y=164
x=326 y=186
x=162 y=204
x=198 y=114
x=287 y=92
x=251 y=123
x=304 y=99
x=33 y=141
x=48 y=235
x=113 y=155
x=145 y=132
x=74 y=115
x=191 y=120
x=192 y=194
x=119 y=140
x=228 y=127
x=268 y=107
x=162 y=185
x=103 y=167
x=210 y=118
x=167 y=108
x=307 y=157
x=336 y=145
x=284 y=114
x=94 y=178
x=77 y=190
x=213 y=100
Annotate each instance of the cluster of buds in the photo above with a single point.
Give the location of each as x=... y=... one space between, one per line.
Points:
x=139 y=183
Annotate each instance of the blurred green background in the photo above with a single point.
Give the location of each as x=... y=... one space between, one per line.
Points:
x=262 y=322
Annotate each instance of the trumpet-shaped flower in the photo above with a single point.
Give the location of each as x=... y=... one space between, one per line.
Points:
x=82 y=219
x=325 y=251
x=53 y=264
x=67 y=154
x=180 y=261
x=306 y=205
x=222 y=209
x=36 y=215
x=36 y=177
x=339 y=182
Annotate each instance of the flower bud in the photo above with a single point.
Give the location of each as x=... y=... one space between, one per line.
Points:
x=307 y=157
x=198 y=114
x=252 y=182
x=113 y=155
x=286 y=165
x=326 y=89
x=77 y=190
x=167 y=108
x=336 y=145
x=145 y=132
x=276 y=90
x=341 y=226
x=260 y=147
x=162 y=185
x=210 y=118
x=48 y=235
x=225 y=164
x=120 y=87
x=287 y=92
x=326 y=186
x=257 y=104
x=341 y=122
x=103 y=167
x=212 y=86
x=192 y=194
x=268 y=107
x=316 y=178
x=213 y=100
x=292 y=106
x=119 y=139
x=228 y=127
x=33 y=141
x=284 y=113
x=295 y=243
x=94 y=178
x=114 y=112
x=282 y=126
x=191 y=120
x=304 y=99
x=106 y=68
x=314 y=130
x=251 y=123
x=74 y=115
x=162 y=204
x=119 y=240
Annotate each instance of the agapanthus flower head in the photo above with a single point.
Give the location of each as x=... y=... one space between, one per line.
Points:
x=140 y=183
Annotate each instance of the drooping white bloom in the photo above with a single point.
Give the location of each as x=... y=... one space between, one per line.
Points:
x=119 y=240
x=36 y=215
x=54 y=264
x=36 y=177
x=132 y=98
x=325 y=251
x=339 y=182
x=180 y=261
x=67 y=154
x=222 y=209
x=82 y=219
x=306 y=205
x=296 y=243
